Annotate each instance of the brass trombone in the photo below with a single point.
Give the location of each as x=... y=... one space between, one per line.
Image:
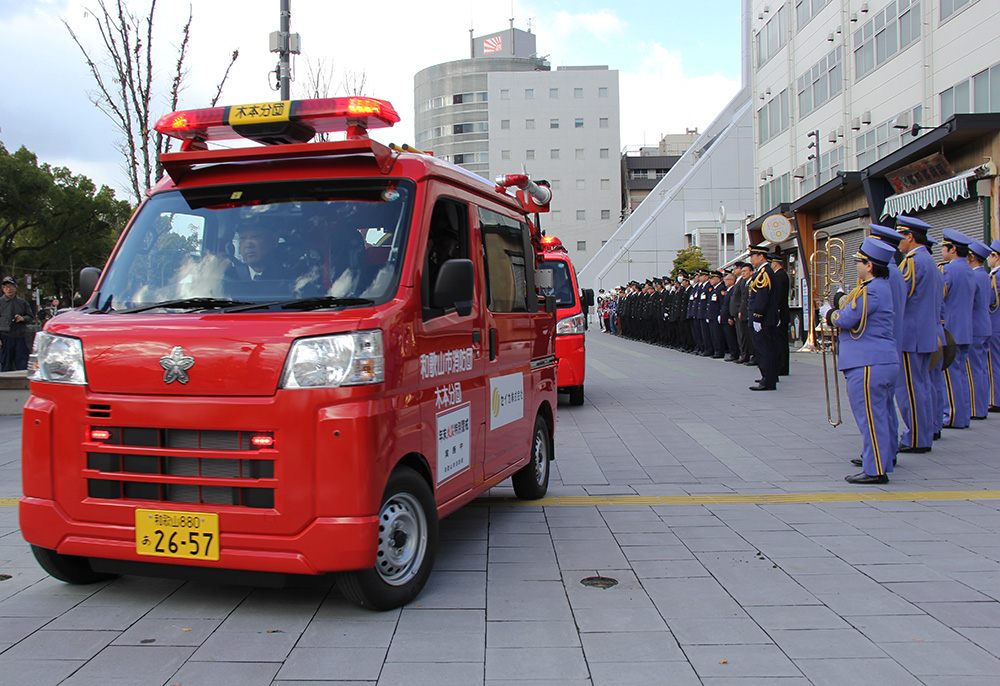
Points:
x=826 y=272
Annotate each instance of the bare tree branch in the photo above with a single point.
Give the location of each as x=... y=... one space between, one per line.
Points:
x=218 y=92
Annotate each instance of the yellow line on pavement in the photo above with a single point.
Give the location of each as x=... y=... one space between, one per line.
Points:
x=8 y=502
x=736 y=499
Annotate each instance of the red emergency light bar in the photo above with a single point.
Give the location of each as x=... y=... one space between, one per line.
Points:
x=286 y=121
x=552 y=244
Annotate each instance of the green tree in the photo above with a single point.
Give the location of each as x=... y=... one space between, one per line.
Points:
x=688 y=260
x=53 y=223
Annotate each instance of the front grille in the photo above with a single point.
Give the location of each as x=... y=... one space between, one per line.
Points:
x=193 y=478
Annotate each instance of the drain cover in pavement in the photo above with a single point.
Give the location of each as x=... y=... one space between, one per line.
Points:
x=599 y=581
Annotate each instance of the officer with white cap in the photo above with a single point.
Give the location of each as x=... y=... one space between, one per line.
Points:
x=978 y=365
x=869 y=359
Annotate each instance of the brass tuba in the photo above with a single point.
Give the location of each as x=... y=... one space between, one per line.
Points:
x=826 y=273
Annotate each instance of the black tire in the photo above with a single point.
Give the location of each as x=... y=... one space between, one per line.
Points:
x=532 y=480
x=69 y=568
x=408 y=539
x=576 y=395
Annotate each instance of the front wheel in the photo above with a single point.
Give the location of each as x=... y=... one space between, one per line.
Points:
x=532 y=480
x=407 y=543
x=69 y=568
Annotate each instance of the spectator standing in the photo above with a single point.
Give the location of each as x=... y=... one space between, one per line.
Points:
x=15 y=314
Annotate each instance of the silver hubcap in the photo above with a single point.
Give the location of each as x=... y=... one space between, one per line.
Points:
x=541 y=453
x=402 y=539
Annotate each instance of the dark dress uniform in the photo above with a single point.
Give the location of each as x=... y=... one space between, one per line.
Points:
x=764 y=318
x=781 y=286
x=714 y=316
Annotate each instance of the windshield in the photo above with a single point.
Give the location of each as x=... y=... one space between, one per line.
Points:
x=339 y=242
x=562 y=283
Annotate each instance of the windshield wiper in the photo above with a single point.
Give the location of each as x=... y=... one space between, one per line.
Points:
x=187 y=304
x=316 y=303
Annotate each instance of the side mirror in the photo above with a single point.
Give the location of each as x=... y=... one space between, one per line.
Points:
x=455 y=286
x=588 y=296
x=88 y=282
x=550 y=304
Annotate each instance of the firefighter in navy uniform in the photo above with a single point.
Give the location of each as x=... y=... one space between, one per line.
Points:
x=868 y=358
x=716 y=294
x=763 y=309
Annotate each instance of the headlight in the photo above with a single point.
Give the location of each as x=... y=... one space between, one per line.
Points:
x=57 y=359
x=575 y=324
x=349 y=359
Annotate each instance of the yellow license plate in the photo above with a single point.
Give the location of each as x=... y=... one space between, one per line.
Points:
x=166 y=533
x=259 y=113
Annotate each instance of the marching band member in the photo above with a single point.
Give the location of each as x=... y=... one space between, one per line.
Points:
x=869 y=359
x=959 y=292
x=921 y=321
x=994 y=351
x=978 y=364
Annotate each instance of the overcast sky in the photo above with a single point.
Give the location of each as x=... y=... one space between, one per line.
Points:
x=678 y=61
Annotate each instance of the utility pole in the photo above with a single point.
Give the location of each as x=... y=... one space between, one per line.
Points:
x=285 y=44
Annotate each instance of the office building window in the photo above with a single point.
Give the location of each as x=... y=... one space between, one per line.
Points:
x=775 y=191
x=581 y=246
x=581 y=184
x=605 y=184
x=605 y=214
x=581 y=215
x=949 y=7
x=505 y=123
x=578 y=123
x=529 y=93
x=553 y=92
x=505 y=154
x=602 y=92
x=529 y=123
x=556 y=216
x=604 y=153
x=830 y=162
x=773 y=117
x=482 y=96
x=820 y=83
x=981 y=93
x=553 y=123
x=577 y=92
x=603 y=122
x=555 y=184
x=579 y=153
x=772 y=37
x=554 y=154
x=883 y=139
x=505 y=94
x=807 y=9
x=529 y=154
x=892 y=29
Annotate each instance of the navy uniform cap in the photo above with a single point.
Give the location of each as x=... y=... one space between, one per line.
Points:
x=758 y=250
x=912 y=223
x=981 y=250
x=956 y=237
x=995 y=246
x=886 y=234
x=877 y=251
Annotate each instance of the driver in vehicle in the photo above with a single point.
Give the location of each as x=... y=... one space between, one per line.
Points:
x=266 y=258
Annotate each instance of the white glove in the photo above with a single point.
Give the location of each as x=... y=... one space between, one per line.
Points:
x=758 y=327
x=720 y=318
x=840 y=289
x=825 y=309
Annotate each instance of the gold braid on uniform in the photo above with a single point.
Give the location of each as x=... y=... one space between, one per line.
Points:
x=859 y=293
x=941 y=268
x=909 y=274
x=761 y=280
x=996 y=295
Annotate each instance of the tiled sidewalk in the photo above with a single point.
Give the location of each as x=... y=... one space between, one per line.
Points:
x=831 y=589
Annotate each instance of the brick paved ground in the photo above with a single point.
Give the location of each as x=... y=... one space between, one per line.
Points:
x=900 y=588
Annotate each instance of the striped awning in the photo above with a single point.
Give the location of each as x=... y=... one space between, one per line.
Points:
x=936 y=194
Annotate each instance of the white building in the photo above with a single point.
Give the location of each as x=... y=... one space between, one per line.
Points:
x=504 y=110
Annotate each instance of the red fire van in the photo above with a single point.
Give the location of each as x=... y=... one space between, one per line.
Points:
x=298 y=358
x=573 y=305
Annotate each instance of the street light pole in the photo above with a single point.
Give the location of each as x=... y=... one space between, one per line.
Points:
x=285 y=44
